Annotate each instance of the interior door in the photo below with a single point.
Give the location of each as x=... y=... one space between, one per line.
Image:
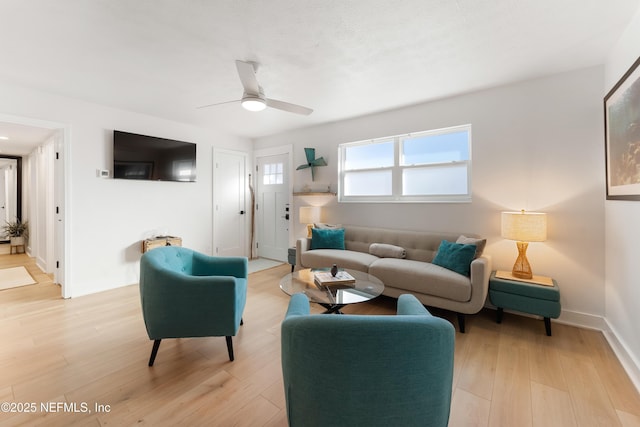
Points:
x=273 y=210
x=229 y=200
x=4 y=201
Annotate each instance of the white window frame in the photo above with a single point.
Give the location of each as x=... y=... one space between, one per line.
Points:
x=397 y=170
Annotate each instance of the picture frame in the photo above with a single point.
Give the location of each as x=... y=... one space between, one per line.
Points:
x=622 y=136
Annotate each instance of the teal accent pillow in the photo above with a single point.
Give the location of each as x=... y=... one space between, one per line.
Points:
x=455 y=257
x=330 y=238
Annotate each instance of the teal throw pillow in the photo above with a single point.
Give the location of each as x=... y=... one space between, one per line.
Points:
x=332 y=238
x=455 y=257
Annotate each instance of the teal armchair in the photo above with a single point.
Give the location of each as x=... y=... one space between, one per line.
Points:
x=187 y=294
x=351 y=370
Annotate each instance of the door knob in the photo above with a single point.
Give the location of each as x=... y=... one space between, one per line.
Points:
x=241 y=212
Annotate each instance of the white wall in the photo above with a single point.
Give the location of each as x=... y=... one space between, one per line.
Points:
x=623 y=233
x=108 y=218
x=537 y=145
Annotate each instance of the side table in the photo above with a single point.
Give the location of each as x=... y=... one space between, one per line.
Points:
x=526 y=297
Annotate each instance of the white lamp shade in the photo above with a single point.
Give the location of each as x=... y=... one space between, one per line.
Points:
x=309 y=214
x=524 y=226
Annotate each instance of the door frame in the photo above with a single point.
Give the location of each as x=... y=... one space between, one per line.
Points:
x=215 y=199
x=276 y=151
x=62 y=251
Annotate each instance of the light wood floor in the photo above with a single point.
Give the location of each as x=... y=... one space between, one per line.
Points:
x=93 y=350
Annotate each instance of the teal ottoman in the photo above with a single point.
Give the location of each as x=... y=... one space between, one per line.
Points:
x=291 y=257
x=525 y=297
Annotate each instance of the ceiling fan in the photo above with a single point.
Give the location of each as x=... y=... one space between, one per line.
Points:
x=253 y=98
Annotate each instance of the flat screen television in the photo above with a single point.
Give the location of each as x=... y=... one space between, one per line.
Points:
x=145 y=157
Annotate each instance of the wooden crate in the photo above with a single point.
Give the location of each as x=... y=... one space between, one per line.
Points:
x=156 y=242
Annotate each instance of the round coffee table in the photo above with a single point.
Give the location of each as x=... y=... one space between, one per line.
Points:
x=332 y=297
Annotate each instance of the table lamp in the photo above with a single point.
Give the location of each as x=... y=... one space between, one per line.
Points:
x=309 y=215
x=524 y=227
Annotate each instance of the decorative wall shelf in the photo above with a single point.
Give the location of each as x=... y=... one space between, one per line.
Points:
x=156 y=242
x=314 y=193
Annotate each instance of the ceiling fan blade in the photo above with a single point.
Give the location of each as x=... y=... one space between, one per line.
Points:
x=291 y=108
x=319 y=162
x=217 y=103
x=303 y=167
x=248 y=77
x=310 y=154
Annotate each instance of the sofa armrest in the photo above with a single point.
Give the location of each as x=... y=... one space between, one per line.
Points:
x=302 y=245
x=480 y=272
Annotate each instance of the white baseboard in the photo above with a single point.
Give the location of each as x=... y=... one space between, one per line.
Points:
x=42 y=265
x=582 y=320
x=629 y=364
x=590 y=321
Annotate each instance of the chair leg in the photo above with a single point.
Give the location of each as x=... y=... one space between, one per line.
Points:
x=154 y=351
x=461 y=322
x=230 y=348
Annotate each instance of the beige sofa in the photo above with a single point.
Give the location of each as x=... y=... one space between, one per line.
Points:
x=433 y=285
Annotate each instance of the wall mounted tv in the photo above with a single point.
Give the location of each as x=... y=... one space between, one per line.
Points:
x=149 y=158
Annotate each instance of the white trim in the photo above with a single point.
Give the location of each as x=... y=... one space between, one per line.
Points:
x=398 y=167
x=582 y=320
x=629 y=363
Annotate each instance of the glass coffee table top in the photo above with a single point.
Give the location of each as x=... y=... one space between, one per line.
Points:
x=332 y=297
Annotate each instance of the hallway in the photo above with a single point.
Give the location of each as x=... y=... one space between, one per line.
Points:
x=17 y=260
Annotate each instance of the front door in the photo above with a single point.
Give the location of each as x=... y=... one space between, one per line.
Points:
x=272 y=206
x=229 y=203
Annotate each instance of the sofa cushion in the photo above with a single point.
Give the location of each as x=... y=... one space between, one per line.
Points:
x=420 y=245
x=422 y=277
x=324 y=225
x=327 y=238
x=455 y=257
x=384 y=250
x=480 y=243
x=320 y=258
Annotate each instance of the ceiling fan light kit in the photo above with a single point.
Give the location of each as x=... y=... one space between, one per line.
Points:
x=253 y=103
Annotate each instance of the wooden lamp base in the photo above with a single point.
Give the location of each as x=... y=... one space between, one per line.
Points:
x=522 y=268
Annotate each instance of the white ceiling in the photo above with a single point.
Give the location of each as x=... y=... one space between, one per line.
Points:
x=343 y=58
x=21 y=139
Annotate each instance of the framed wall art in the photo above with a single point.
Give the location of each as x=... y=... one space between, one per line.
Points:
x=622 y=136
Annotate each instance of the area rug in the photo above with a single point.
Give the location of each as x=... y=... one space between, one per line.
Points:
x=14 y=277
x=259 y=264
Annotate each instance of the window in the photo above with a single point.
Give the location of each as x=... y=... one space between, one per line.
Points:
x=431 y=166
x=273 y=173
